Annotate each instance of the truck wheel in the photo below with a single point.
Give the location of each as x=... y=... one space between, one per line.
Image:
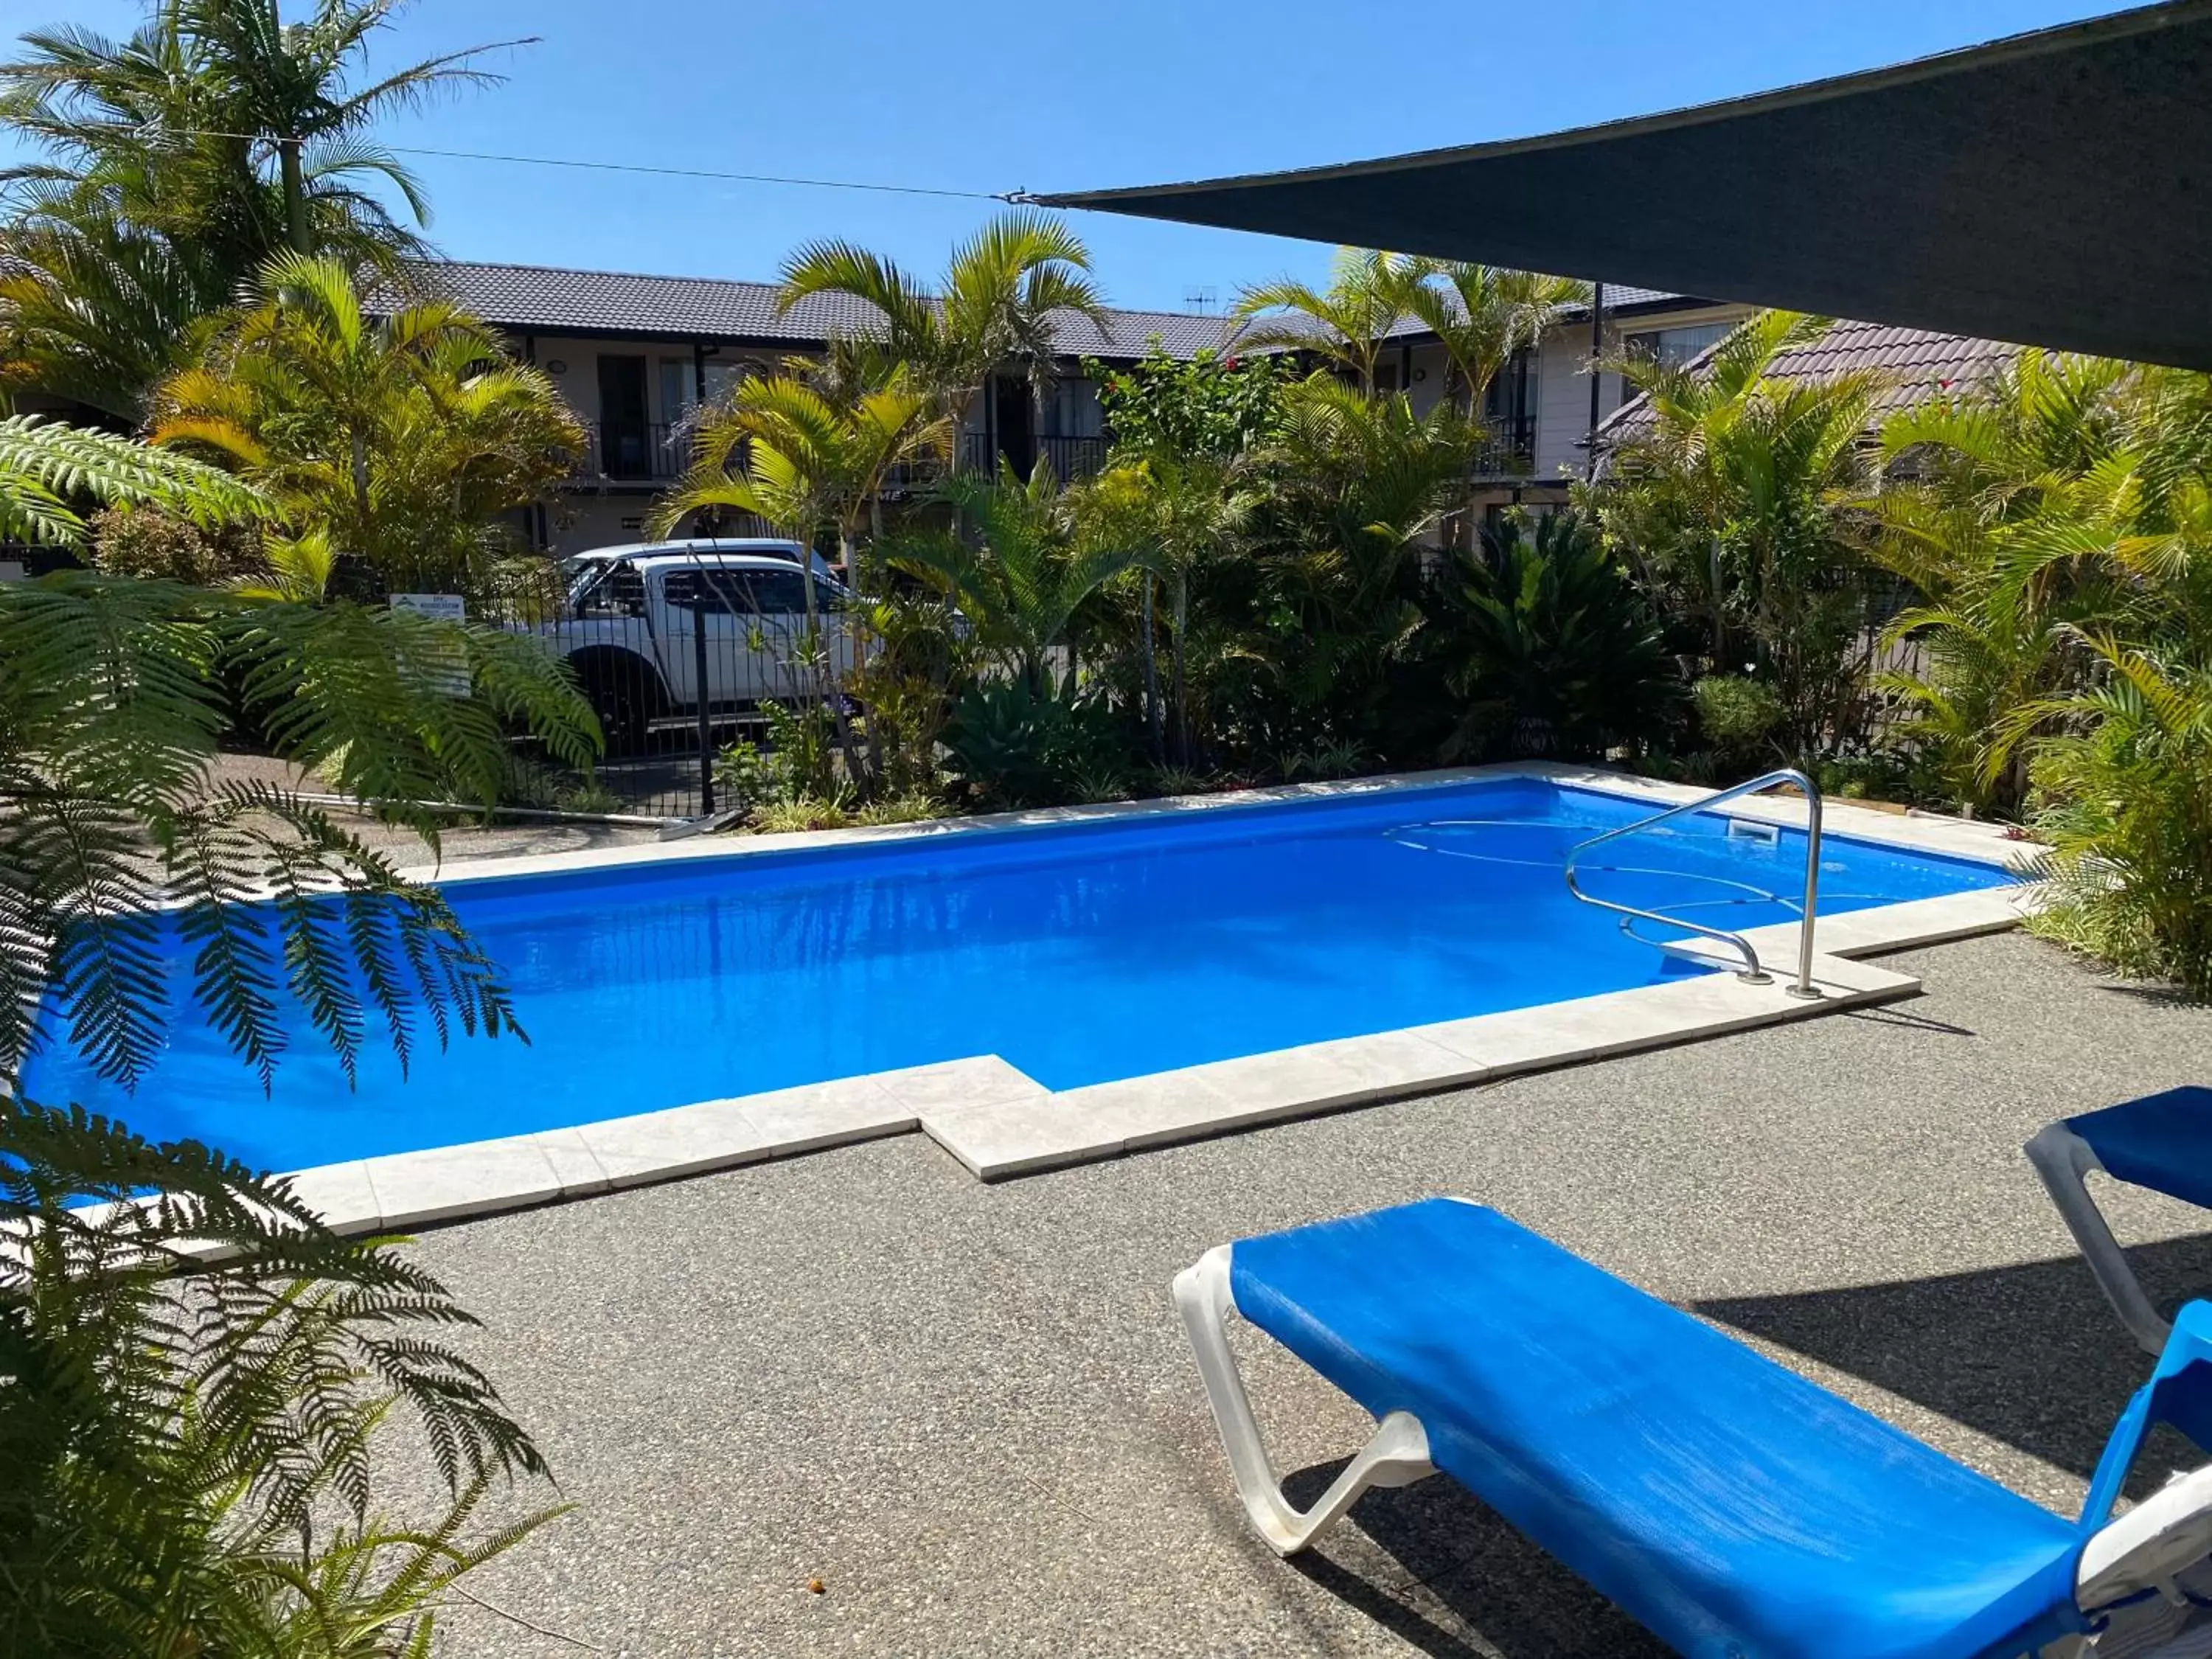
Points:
x=625 y=701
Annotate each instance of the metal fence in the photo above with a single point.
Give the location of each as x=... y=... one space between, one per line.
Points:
x=678 y=657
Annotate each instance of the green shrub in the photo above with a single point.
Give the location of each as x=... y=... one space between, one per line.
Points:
x=1330 y=758
x=1207 y=404
x=800 y=762
x=151 y=544
x=1737 y=715
x=1179 y=781
x=915 y=808
x=1008 y=746
x=745 y=775
x=2127 y=809
x=1548 y=648
x=783 y=818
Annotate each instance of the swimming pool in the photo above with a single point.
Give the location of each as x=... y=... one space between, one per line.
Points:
x=1080 y=953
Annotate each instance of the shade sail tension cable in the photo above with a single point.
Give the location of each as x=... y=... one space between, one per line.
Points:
x=1019 y=198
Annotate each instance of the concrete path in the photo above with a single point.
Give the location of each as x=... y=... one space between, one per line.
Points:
x=968 y=1410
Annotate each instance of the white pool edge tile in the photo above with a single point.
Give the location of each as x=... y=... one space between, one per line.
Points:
x=448 y=1184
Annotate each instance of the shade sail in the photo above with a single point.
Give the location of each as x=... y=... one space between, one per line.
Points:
x=2052 y=189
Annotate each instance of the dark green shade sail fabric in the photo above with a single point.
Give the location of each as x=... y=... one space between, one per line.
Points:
x=2052 y=189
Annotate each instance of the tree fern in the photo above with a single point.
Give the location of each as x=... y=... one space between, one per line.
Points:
x=171 y=1435
x=116 y=830
x=45 y=467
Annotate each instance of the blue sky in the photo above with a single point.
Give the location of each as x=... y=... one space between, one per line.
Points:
x=991 y=95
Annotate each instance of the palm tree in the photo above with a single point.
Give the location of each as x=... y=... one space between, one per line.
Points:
x=1177 y=513
x=1743 y=497
x=1482 y=314
x=402 y=437
x=1369 y=294
x=1357 y=481
x=1367 y=477
x=98 y=312
x=1026 y=572
x=2008 y=524
x=1000 y=304
x=263 y=123
x=785 y=451
x=172 y=165
x=782 y=450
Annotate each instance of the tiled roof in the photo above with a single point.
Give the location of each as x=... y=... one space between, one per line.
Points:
x=544 y=299
x=553 y=300
x=1916 y=364
x=1618 y=298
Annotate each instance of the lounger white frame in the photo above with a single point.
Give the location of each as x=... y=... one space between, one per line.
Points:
x=1397 y=1455
x=2142 y=1550
x=2065 y=1161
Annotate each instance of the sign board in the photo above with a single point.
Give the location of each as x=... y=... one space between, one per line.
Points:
x=449 y=675
x=11 y=570
x=443 y=607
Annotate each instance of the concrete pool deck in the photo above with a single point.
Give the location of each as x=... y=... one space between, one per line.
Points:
x=996 y=1123
x=968 y=1409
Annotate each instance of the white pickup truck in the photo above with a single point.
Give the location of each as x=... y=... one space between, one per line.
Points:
x=633 y=625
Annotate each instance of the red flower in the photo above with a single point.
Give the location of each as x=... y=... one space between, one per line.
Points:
x=1228 y=362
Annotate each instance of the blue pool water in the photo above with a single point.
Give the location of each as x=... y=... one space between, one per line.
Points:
x=1079 y=953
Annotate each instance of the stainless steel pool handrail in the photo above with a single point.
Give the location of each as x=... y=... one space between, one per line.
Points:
x=1751 y=973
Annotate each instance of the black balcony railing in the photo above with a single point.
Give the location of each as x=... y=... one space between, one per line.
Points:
x=654 y=452
x=1510 y=450
x=1072 y=458
x=645 y=451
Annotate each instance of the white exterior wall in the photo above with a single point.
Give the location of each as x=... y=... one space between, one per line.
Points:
x=1426 y=386
x=579 y=376
x=579 y=519
x=1562 y=382
x=591 y=516
x=1563 y=400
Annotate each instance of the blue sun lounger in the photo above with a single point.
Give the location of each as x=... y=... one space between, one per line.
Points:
x=2163 y=1142
x=1735 y=1509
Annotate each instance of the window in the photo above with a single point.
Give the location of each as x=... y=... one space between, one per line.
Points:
x=680 y=389
x=716 y=593
x=1511 y=395
x=1674 y=347
x=723 y=374
x=1071 y=411
x=783 y=592
x=614 y=591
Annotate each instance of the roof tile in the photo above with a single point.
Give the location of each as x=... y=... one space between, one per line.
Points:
x=554 y=300
x=1916 y=364
x=547 y=298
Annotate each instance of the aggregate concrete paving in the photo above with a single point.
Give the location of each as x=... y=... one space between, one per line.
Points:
x=968 y=1412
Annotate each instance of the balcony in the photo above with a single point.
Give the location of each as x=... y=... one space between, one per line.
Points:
x=655 y=453
x=645 y=452
x=1072 y=458
x=1509 y=449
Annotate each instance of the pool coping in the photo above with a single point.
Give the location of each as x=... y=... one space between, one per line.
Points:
x=999 y=1122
